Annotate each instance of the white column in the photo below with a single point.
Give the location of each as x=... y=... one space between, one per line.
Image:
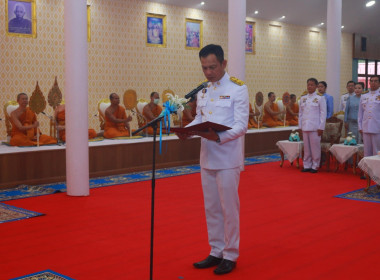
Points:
x=76 y=97
x=334 y=36
x=236 y=38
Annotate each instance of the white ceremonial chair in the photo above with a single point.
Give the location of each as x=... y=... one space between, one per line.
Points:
x=102 y=106
x=9 y=107
x=139 y=108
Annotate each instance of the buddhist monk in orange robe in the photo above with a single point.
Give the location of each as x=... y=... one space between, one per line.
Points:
x=25 y=125
x=60 y=116
x=151 y=111
x=117 y=122
x=252 y=123
x=189 y=112
x=272 y=114
x=292 y=111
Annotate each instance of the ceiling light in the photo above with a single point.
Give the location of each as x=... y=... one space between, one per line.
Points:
x=202 y=3
x=322 y=23
x=370 y=3
x=282 y=17
x=342 y=26
x=256 y=12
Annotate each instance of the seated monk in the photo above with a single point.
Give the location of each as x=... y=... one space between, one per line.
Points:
x=60 y=118
x=25 y=126
x=252 y=123
x=292 y=111
x=117 y=122
x=151 y=111
x=189 y=112
x=272 y=114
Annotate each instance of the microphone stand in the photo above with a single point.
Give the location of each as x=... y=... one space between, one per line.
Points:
x=153 y=124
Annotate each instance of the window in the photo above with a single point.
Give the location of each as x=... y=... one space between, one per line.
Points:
x=366 y=69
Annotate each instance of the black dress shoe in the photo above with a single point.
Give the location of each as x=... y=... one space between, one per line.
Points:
x=226 y=266
x=208 y=262
x=306 y=170
x=313 y=170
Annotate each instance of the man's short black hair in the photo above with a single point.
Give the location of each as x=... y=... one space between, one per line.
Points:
x=20 y=94
x=212 y=49
x=111 y=95
x=292 y=95
x=270 y=94
x=374 y=76
x=360 y=83
x=313 y=80
x=153 y=93
x=350 y=82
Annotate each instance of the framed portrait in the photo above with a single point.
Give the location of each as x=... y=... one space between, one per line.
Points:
x=250 y=37
x=155 y=30
x=88 y=23
x=193 y=34
x=21 y=18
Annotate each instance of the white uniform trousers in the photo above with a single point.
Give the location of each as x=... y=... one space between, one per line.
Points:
x=312 y=149
x=371 y=143
x=222 y=206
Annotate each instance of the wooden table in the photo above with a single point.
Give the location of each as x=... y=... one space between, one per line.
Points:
x=343 y=152
x=371 y=167
x=292 y=150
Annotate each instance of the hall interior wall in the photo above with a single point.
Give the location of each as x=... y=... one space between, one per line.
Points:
x=119 y=58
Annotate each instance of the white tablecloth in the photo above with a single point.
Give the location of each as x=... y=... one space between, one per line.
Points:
x=292 y=150
x=343 y=152
x=371 y=166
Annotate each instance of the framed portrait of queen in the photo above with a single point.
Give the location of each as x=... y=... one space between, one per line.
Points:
x=193 y=34
x=155 y=30
x=250 y=38
x=21 y=18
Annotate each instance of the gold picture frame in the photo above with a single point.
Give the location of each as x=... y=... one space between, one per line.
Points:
x=250 y=37
x=155 y=34
x=21 y=18
x=193 y=34
x=88 y=23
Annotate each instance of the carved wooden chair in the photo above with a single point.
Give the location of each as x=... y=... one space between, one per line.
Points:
x=331 y=135
x=102 y=106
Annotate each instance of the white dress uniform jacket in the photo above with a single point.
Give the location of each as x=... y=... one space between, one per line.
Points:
x=226 y=103
x=312 y=114
x=369 y=112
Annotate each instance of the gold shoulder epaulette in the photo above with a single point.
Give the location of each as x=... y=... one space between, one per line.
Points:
x=304 y=93
x=205 y=81
x=236 y=81
x=366 y=91
x=320 y=94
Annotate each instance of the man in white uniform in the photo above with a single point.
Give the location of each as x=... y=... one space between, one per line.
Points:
x=224 y=101
x=369 y=118
x=312 y=121
x=350 y=92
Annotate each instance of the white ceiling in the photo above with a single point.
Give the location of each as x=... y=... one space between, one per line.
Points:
x=356 y=17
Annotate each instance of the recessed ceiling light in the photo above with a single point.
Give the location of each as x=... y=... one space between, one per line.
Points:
x=370 y=3
x=342 y=26
x=282 y=17
x=256 y=12
x=202 y=3
x=322 y=23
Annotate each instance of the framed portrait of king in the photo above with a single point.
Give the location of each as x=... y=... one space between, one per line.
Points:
x=155 y=30
x=21 y=18
x=250 y=38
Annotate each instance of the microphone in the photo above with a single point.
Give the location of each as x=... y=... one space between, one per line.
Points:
x=195 y=91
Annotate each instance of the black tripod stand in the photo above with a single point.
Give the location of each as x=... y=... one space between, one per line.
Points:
x=154 y=123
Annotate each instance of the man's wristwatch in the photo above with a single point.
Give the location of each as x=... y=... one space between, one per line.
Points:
x=218 y=139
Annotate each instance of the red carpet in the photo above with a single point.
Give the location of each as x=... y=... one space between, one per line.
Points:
x=291 y=228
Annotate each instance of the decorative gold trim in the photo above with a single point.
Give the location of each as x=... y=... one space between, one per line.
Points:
x=88 y=23
x=163 y=21
x=33 y=20
x=164 y=96
x=253 y=42
x=130 y=99
x=196 y=21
